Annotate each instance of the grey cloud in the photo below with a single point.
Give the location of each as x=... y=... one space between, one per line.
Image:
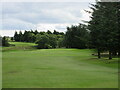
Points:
x=22 y=15
x=13 y=24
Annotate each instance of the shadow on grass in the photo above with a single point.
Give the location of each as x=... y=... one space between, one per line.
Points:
x=113 y=60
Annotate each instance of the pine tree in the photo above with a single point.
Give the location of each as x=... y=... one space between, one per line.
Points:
x=103 y=27
x=16 y=36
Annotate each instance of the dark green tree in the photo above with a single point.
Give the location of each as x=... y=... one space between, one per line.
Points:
x=16 y=36
x=103 y=27
x=35 y=32
x=46 y=41
x=12 y=38
x=20 y=36
x=76 y=37
x=61 y=42
x=49 y=32
x=55 y=32
x=5 y=42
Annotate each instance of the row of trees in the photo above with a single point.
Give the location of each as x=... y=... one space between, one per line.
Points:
x=104 y=27
x=30 y=36
x=43 y=39
x=102 y=32
x=75 y=37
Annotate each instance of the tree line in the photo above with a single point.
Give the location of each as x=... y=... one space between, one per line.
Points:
x=102 y=32
x=45 y=40
x=75 y=37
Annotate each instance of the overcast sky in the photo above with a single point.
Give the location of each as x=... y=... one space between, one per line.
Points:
x=42 y=16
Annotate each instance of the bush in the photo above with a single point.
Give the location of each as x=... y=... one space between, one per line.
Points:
x=46 y=41
x=5 y=42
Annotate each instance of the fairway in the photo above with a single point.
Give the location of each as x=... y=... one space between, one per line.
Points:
x=57 y=68
x=69 y=44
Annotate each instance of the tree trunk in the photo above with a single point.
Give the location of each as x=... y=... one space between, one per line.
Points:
x=110 y=55
x=99 y=56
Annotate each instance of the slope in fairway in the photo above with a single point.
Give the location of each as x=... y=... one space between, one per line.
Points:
x=57 y=68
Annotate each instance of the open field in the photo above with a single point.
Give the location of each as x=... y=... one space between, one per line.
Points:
x=56 y=68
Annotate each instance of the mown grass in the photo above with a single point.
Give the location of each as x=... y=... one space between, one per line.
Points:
x=15 y=46
x=58 y=68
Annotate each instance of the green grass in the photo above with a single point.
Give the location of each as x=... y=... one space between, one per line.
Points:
x=58 y=68
x=19 y=46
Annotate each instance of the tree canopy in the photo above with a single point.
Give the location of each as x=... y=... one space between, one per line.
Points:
x=103 y=27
